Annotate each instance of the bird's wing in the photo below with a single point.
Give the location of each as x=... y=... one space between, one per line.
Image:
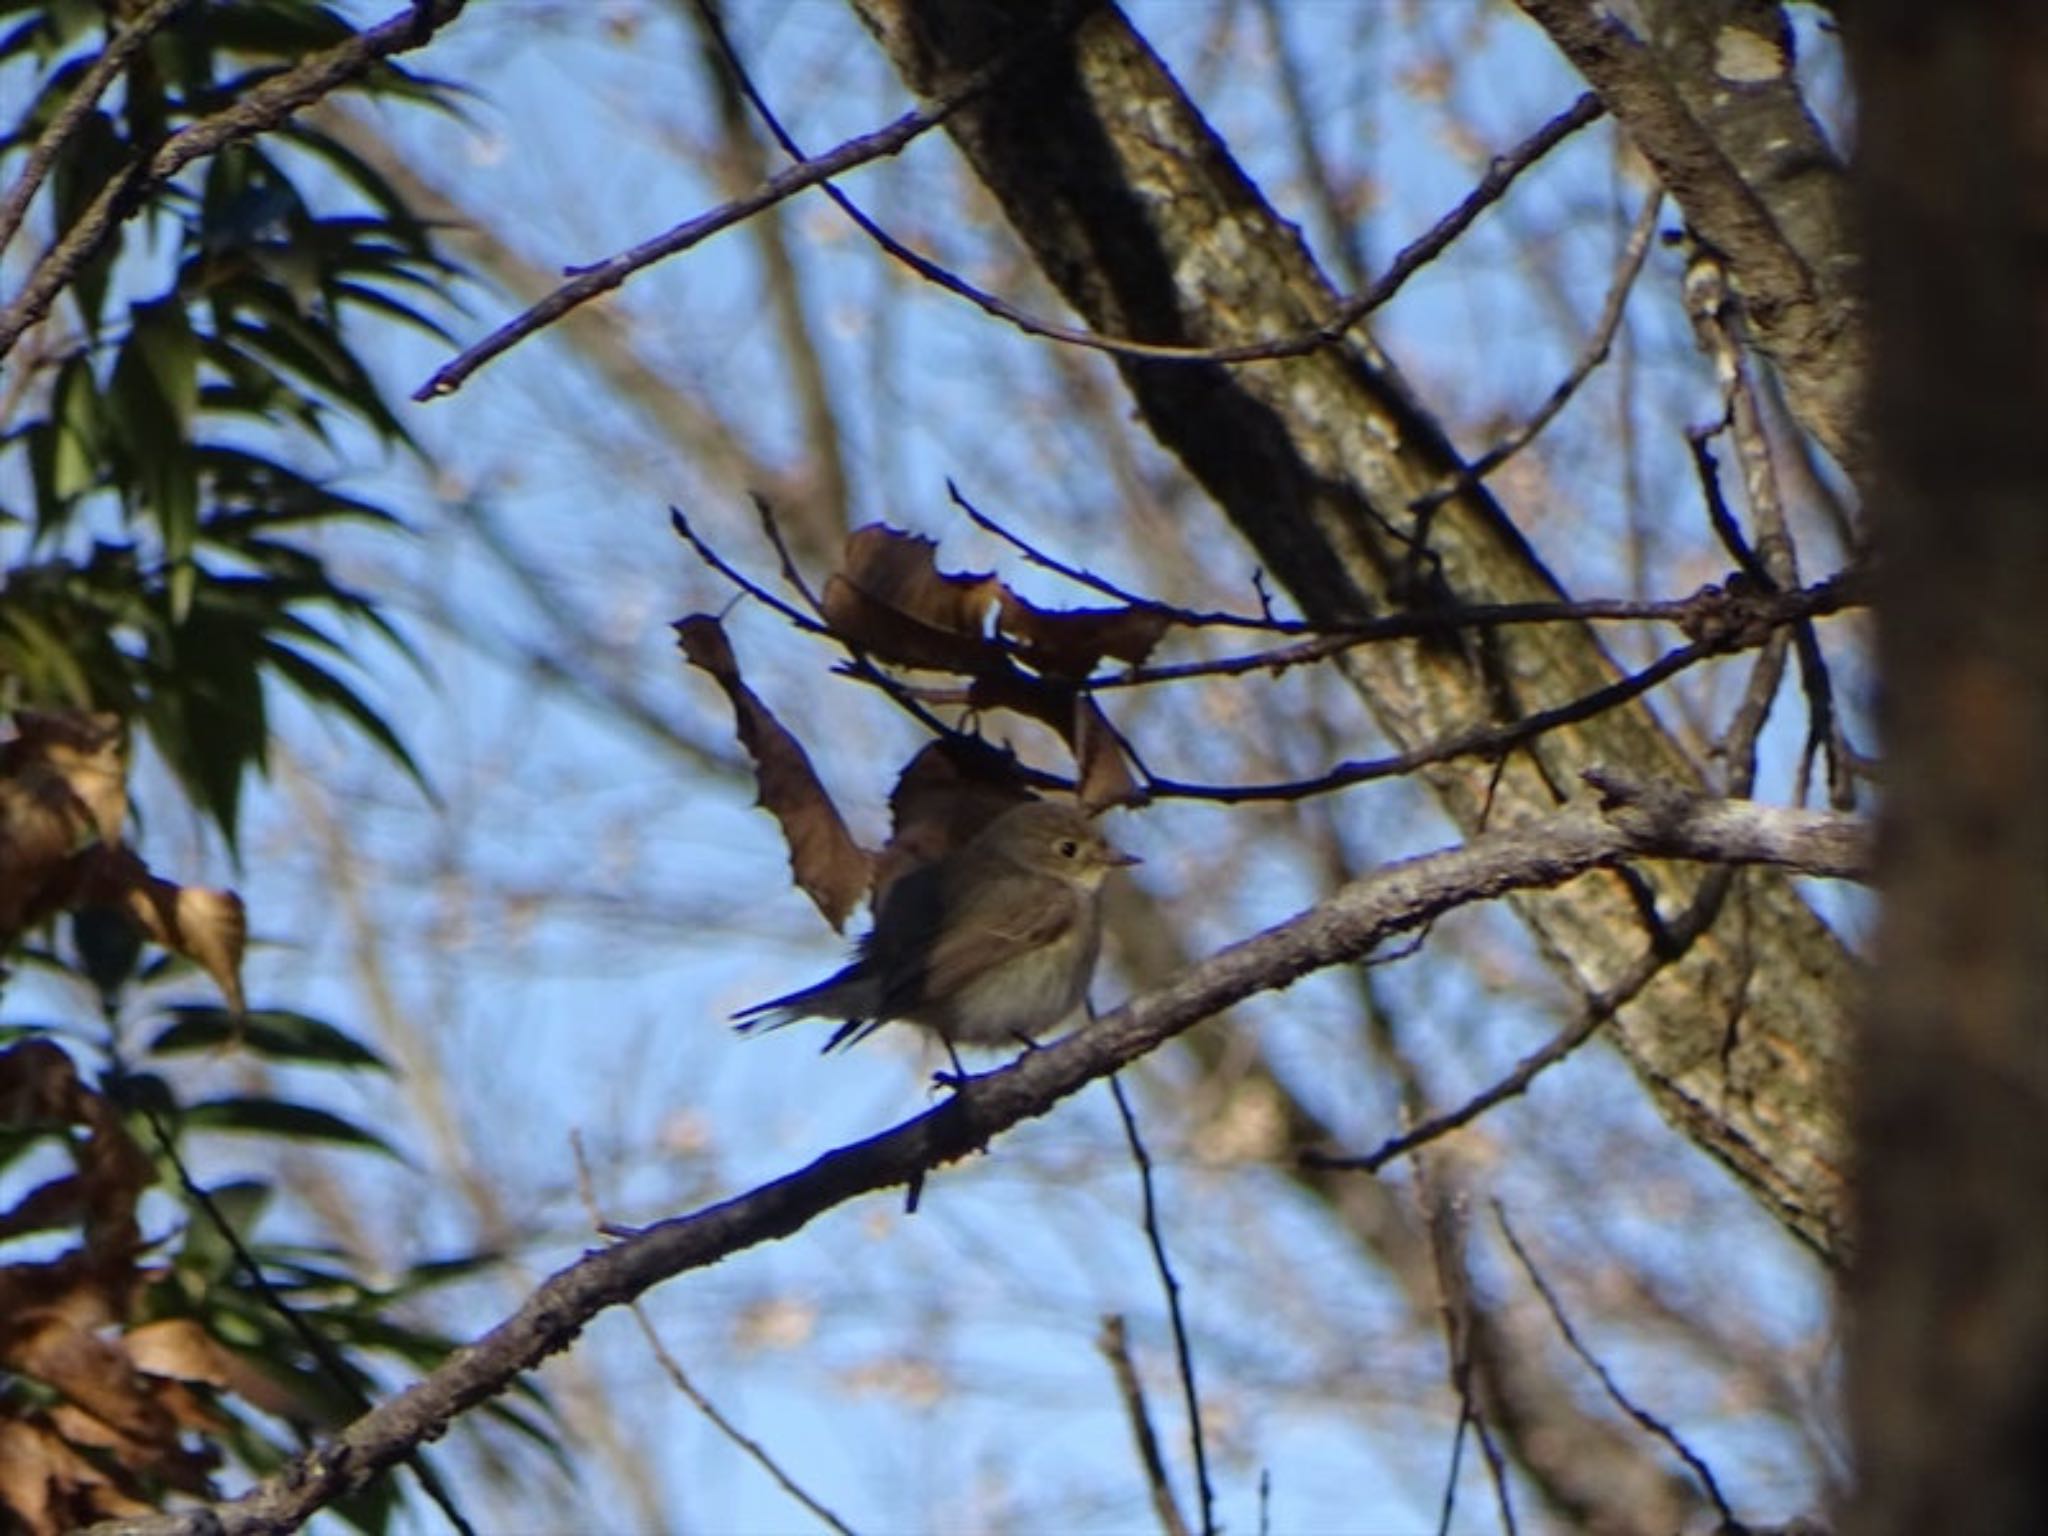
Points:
x=986 y=926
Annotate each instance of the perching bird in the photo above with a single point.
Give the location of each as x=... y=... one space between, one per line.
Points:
x=994 y=943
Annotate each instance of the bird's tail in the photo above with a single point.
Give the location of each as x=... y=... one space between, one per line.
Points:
x=849 y=996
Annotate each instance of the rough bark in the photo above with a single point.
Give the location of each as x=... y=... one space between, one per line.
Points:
x=1949 y=1378
x=1708 y=95
x=1137 y=212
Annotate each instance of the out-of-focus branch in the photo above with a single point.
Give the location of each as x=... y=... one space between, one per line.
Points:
x=262 y=106
x=112 y=60
x=1649 y=1421
x=1115 y=1346
x=1634 y=252
x=714 y=447
x=1345 y=928
x=1948 y=1359
x=1183 y=1351
x=827 y=509
x=586 y=283
x=752 y=1449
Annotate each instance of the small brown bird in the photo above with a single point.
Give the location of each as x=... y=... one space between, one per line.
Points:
x=995 y=942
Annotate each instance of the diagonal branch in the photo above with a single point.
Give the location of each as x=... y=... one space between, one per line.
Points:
x=261 y=107
x=112 y=60
x=1343 y=929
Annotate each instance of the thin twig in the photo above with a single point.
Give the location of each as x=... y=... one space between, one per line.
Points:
x=1115 y=1346
x=113 y=58
x=586 y=1189
x=261 y=107
x=790 y=571
x=1597 y=1008
x=588 y=282
x=1500 y=175
x=1591 y=356
x=1184 y=1355
x=1710 y=606
x=1444 y=1223
x=336 y=1368
x=1448 y=1505
x=1079 y=575
x=1481 y=741
x=1730 y=1525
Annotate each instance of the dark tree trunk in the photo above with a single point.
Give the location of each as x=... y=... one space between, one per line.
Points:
x=1949 y=1375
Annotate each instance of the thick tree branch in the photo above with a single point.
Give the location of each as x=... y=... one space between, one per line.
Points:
x=1343 y=929
x=1137 y=212
x=1710 y=99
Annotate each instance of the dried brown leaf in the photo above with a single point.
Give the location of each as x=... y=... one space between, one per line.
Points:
x=42 y=823
x=1071 y=642
x=95 y=1374
x=63 y=807
x=890 y=599
x=48 y=1487
x=1104 y=773
x=181 y=1348
x=829 y=866
x=39 y=1085
x=208 y=927
x=1103 y=770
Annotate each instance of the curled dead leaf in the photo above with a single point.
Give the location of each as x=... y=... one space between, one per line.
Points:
x=87 y=752
x=48 y=1487
x=40 y=1085
x=42 y=824
x=890 y=599
x=1105 y=777
x=208 y=927
x=92 y=1373
x=181 y=1348
x=829 y=866
x=1071 y=642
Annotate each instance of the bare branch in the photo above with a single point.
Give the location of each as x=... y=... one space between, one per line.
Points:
x=1183 y=1354
x=1597 y=1009
x=262 y=106
x=1647 y=1420
x=1115 y=1345
x=1341 y=930
x=586 y=1189
x=587 y=283
x=1801 y=313
x=1500 y=175
x=112 y=60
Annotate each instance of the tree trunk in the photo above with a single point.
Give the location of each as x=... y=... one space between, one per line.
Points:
x=1949 y=1369
x=1137 y=212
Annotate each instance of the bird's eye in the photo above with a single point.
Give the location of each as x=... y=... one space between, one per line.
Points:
x=1066 y=847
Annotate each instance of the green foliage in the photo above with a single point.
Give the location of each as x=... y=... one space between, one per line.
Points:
x=177 y=567
x=165 y=556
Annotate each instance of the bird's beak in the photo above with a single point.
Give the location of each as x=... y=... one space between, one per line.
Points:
x=1118 y=859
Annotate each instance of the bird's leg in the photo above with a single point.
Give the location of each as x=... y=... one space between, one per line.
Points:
x=955 y=1079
